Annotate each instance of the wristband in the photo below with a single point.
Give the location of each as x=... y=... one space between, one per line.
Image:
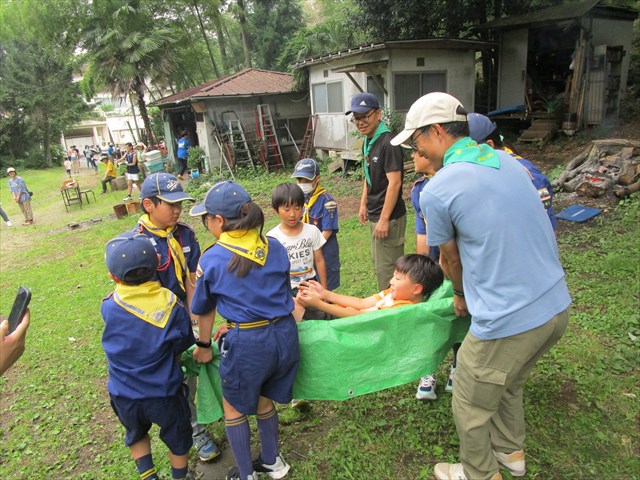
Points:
x=458 y=293
x=203 y=344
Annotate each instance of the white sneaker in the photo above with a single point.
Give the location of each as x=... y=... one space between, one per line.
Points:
x=514 y=462
x=449 y=386
x=278 y=470
x=454 y=471
x=9 y=224
x=127 y=198
x=427 y=388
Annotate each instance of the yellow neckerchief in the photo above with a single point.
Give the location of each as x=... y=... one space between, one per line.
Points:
x=246 y=243
x=149 y=302
x=312 y=200
x=175 y=249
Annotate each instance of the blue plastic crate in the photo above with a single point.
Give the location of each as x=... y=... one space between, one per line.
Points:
x=153 y=167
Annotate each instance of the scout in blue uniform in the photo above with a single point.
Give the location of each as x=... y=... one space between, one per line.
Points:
x=321 y=210
x=244 y=277
x=162 y=196
x=483 y=130
x=427 y=386
x=145 y=378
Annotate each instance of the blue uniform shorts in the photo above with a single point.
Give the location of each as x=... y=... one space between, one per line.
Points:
x=171 y=414
x=261 y=361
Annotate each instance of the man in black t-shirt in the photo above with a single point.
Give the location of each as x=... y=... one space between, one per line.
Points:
x=381 y=204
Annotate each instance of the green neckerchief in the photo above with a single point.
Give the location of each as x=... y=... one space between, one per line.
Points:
x=468 y=150
x=368 y=144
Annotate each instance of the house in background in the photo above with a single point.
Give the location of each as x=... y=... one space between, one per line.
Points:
x=210 y=112
x=397 y=72
x=574 y=55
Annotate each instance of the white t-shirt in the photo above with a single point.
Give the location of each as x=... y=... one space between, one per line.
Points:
x=300 y=249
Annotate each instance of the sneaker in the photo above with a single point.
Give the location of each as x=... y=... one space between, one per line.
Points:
x=127 y=198
x=205 y=448
x=103 y=193
x=454 y=471
x=514 y=462
x=9 y=224
x=298 y=403
x=234 y=474
x=278 y=470
x=427 y=388
x=449 y=387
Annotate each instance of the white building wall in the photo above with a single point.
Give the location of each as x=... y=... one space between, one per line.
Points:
x=613 y=33
x=512 y=68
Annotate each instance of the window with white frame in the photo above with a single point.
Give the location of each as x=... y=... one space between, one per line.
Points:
x=327 y=97
x=374 y=87
x=408 y=87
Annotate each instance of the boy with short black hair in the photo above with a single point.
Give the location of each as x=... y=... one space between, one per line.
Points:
x=145 y=378
x=415 y=278
x=176 y=244
x=321 y=210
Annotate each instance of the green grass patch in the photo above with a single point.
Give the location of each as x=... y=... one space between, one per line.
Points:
x=55 y=420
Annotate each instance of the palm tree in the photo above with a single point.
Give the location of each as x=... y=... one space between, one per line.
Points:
x=126 y=46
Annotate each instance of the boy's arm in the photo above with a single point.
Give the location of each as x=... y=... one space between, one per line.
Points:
x=189 y=287
x=326 y=234
x=421 y=244
x=205 y=322
x=315 y=288
x=310 y=298
x=321 y=266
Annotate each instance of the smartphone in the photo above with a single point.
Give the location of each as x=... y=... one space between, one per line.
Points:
x=20 y=305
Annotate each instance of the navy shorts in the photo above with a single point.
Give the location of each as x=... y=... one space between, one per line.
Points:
x=171 y=414
x=261 y=361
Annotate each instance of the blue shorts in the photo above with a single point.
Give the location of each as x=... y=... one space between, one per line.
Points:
x=171 y=414
x=257 y=362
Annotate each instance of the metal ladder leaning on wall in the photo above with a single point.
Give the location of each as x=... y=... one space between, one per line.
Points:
x=238 y=140
x=270 y=152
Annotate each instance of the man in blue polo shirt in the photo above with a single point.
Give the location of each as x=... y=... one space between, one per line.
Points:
x=500 y=252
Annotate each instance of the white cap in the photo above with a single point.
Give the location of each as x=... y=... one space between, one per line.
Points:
x=11 y=169
x=435 y=107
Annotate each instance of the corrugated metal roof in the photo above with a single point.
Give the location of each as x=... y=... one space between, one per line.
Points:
x=247 y=82
x=426 y=43
x=558 y=13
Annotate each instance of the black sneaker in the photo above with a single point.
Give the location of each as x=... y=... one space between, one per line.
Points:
x=278 y=470
x=234 y=474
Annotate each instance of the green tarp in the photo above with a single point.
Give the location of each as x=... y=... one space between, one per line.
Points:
x=353 y=356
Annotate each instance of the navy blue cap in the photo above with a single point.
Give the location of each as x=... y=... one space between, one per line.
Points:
x=306 y=168
x=480 y=127
x=128 y=252
x=363 y=102
x=225 y=199
x=164 y=186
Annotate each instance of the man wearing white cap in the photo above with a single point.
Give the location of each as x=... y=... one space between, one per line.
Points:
x=499 y=251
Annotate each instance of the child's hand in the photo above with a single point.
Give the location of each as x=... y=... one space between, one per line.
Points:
x=308 y=298
x=203 y=355
x=222 y=330
x=313 y=286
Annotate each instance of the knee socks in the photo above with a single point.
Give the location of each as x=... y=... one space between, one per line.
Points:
x=179 y=473
x=146 y=468
x=239 y=436
x=268 y=428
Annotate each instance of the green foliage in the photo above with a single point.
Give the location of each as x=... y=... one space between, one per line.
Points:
x=196 y=158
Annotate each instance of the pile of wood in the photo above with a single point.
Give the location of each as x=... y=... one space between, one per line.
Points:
x=605 y=166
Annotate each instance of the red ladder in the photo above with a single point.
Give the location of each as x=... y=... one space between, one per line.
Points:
x=309 y=135
x=270 y=153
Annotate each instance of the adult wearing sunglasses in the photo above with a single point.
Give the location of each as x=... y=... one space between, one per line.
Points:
x=500 y=252
x=381 y=202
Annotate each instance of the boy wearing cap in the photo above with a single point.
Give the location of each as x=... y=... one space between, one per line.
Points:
x=321 y=210
x=381 y=201
x=483 y=130
x=20 y=194
x=176 y=244
x=501 y=255
x=145 y=378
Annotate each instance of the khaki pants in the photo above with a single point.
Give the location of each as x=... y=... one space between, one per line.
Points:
x=26 y=210
x=386 y=251
x=487 y=397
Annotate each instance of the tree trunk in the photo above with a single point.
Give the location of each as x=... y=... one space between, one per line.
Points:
x=242 y=19
x=47 y=143
x=222 y=43
x=142 y=106
x=206 y=39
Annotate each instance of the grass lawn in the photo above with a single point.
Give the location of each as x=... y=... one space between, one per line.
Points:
x=55 y=420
